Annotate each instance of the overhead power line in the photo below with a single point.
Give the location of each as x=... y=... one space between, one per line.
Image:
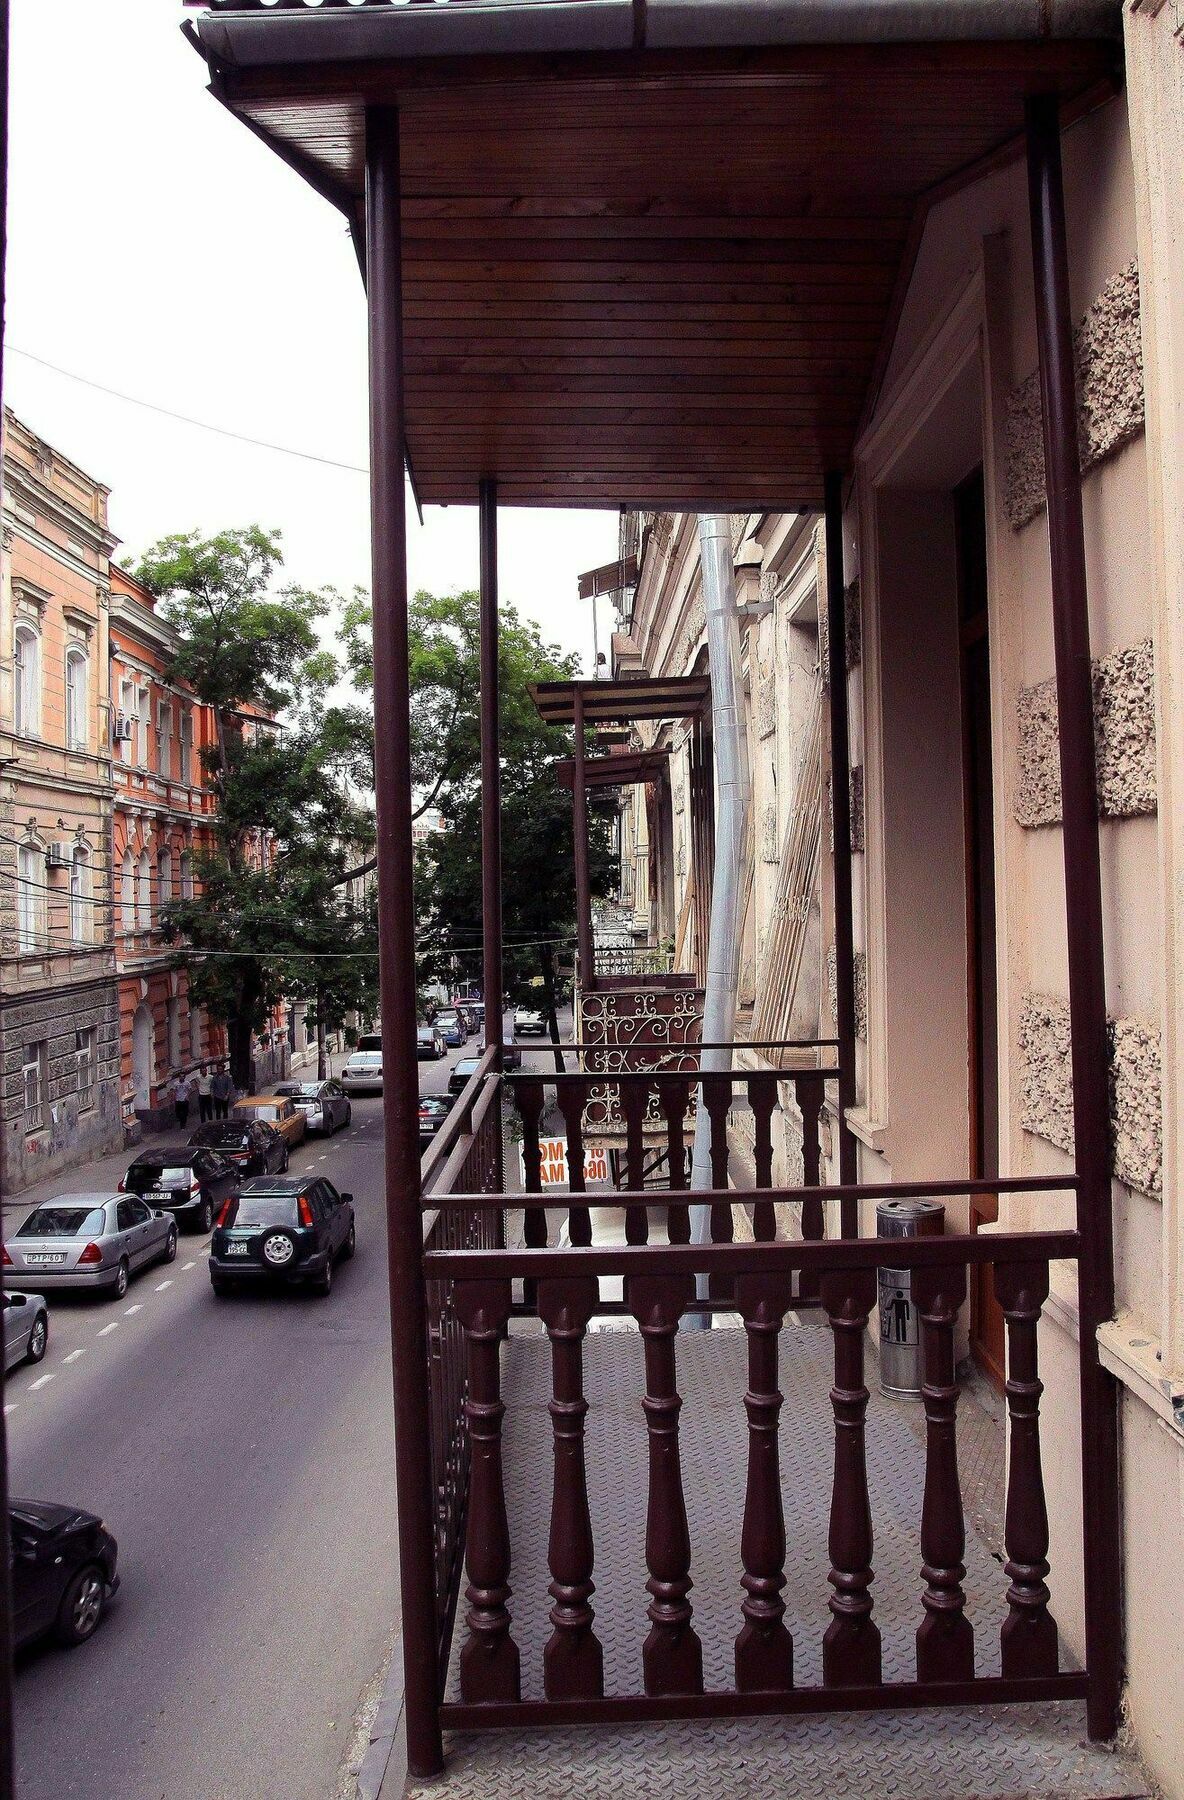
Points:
x=166 y=412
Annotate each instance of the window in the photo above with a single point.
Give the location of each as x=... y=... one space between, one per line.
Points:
x=127 y=711
x=80 y=911
x=185 y=743
x=35 y=1078
x=76 y=696
x=144 y=892
x=164 y=739
x=30 y=898
x=27 y=681
x=127 y=894
x=186 y=875
x=84 y=1061
x=164 y=876
x=143 y=721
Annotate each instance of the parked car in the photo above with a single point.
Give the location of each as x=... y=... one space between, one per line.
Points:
x=63 y=1571
x=369 y=1040
x=362 y=1073
x=283 y=1231
x=463 y=1071
x=529 y=1023
x=276 y=1111
x=452 y=1028
x=26 y=1329
x=253 y=1147
x=433 y=1110
x=429 y=1043
x=94 y=1241
x=191 y=1183
x=325 y=1104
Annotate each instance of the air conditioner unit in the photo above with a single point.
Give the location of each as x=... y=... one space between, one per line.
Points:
x=124 y=728
x=59 y=856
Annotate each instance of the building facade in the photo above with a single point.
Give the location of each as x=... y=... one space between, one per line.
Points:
x=59 y=1015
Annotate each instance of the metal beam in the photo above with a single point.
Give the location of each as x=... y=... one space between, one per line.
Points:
x=1083 y=913
x=392 y=781
x=491 y=776
x=840 y=800
x=580 y=844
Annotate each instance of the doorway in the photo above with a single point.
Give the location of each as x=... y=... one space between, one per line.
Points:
x=986 y=1319
x=142 y=1057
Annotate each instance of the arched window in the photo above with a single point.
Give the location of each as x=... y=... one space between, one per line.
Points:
x=144 y=892
x=127 y=894
x=81 y=925
x=76 y=686
x=26 y=711
x=30 y=897
x=186 y=875
x=164 y=876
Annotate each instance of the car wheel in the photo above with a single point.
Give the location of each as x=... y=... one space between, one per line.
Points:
x=169 y=1253
x=349 y=1116
x=205 y=1218
x=286 y=1161
x=324 y=1283
x=122 y=1276
x=278 y=1249
x=38 y=1339
x=81 y=1607
x=351 y=1242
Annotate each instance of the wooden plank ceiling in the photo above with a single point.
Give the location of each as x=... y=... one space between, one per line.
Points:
x=653 y=697
x=656 y=281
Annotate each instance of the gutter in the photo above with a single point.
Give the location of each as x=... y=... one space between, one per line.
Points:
x=297 y=32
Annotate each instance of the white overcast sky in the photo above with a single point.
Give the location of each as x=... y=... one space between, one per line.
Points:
x=157 y=248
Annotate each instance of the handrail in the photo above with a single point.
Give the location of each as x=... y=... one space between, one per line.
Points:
x=753 y=1259
x=456 y=1123
x=545 y=1046
x=565 y=1077
x=477 y=1112
x=887 y=1190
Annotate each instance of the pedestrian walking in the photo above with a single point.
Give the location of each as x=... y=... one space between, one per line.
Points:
x=205 y=1098
x=193 y=1089
x=221 y=1091
x=179 y=1088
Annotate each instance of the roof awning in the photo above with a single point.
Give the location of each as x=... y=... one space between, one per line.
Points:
x=662 y=276
x=626 y=770
x=673 y=697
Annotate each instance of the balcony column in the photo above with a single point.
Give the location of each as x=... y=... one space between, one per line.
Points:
x=491 y=776
x=395 y=858
x=580 y=843
x=840 y=800
x=1101 y=1518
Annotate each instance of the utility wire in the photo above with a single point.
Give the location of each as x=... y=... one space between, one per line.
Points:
x=240 y=437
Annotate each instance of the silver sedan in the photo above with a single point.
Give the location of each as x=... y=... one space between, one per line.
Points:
x=26 y=1329
x=95 y=1241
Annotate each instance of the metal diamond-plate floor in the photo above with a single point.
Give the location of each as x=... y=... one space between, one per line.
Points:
x=977 y=1751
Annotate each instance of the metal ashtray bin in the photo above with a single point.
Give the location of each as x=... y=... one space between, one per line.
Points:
x=900 y=1331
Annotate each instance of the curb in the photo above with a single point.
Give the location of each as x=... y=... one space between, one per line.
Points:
x=383 y=1772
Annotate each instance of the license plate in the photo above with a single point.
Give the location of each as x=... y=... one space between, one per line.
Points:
x=42 y=1257
x=238 y=1249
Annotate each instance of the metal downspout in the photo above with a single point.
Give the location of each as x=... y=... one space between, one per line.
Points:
x=734 y=791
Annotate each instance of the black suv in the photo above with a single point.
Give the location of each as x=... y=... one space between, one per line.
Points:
x=191 y=1184
x=282 y=1231
x=253 y=1147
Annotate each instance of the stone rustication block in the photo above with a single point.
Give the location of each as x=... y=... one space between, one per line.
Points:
x=1108 y=356
x=1046 y=1089
x=860 y=991
x=1124 y=733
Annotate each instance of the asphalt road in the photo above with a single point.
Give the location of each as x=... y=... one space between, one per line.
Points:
x=241 y=1451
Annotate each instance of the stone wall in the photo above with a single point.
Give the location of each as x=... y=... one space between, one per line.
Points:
x=860 y=991
x=1124 y=734
x=1046 y=1089
x=1108 y=354
x=69 y=1136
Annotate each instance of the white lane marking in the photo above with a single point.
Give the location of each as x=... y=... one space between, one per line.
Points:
x=129 y=1310
x=322 y=1158
x=161 y=1286
x=189 y=1265
x=73 y=1356
x=11 y=1407
x=204 y=1252
x=107 y=1329
x=41 y=1381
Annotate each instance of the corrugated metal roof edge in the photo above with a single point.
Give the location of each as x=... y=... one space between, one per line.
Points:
x=506 y=27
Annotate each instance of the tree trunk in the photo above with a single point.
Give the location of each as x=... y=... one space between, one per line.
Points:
x=238 y=1036
x=547 y=963
x=322 y=1052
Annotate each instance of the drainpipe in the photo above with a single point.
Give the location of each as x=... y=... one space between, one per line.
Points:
x=730 y=748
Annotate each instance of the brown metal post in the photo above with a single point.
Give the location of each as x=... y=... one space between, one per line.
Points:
x=840 y=794
x=392 y=781
x=580 y=831
x=491 y=776
x=1083 y=909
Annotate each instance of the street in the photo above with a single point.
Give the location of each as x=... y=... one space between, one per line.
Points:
x=241 y=1452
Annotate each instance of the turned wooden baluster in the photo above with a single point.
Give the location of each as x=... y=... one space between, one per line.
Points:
x=764 y=1648
x=674 y=1096
x=762 y=1098
x=717 y=1100
x=573 y=1661
x=489 y=1659
x=810 y=1091
x=672 y=1656
x=572 y=1099
x=851 y=1647
x=945 y=1636
x=634 y=1097
x=1028 y=1639
x=529 y=1099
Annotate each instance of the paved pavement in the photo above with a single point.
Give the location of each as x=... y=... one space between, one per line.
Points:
x=241 y=1451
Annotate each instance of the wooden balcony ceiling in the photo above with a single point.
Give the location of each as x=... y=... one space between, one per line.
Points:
x=661 y=278
x=616 y=771
x=667 y=697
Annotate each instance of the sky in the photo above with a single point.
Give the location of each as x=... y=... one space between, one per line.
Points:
x=156 y=248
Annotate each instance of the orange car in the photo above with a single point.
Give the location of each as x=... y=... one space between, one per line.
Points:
x=273 y=1110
